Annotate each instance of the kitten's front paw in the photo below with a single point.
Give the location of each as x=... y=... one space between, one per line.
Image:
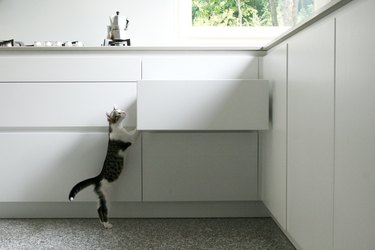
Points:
x=107 y=225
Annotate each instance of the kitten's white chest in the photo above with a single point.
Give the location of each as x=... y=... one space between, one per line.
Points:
x=119 y=133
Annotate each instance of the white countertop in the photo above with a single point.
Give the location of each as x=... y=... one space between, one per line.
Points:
x=132 y=48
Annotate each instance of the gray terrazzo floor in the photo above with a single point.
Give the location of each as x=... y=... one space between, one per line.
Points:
x=226 y=233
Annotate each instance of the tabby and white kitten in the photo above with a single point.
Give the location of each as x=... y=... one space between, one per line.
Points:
x=119 y=140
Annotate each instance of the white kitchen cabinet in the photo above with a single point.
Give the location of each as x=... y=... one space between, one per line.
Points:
x=44 y=166
x=200 y=166
x=273 y=143
x=311 y=136
x=200 y=67
x=54 y=128
x=355 y=122
x=74 y=104
x=55 y=103
x=192 y=93
x=68 y=68
x=202 y=105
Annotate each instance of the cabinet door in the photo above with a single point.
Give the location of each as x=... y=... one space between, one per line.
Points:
x=355 y=123
x=202 y=105
x=64 y=104
x=43 y=167
x=273 y=141
x=310 y=136
x=199 y=166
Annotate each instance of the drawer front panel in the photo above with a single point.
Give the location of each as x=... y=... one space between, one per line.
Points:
x=200 y=67
x=64 y=105
x=199 y=166
x=43 y=167
x=203 y=105
x=72 y=68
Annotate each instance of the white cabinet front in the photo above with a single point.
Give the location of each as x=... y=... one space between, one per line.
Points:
x=354 y=220
x=200 y=67
x=310 y=136
x=64 y=104
x=200 y=166
x=72 y=68
x=202 y=105
x=273 y=141
x=43 y=167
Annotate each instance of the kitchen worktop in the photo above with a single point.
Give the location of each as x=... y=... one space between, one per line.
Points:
x=133 y=48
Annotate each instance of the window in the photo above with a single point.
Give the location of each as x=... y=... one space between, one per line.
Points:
x=250 y=22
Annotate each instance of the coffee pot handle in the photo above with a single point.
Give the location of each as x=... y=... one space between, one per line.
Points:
x=127 y=23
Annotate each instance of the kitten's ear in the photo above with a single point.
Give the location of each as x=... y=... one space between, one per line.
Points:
x=114 y=107
x=108 y=116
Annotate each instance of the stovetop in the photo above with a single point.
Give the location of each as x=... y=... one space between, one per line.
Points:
x=14 y=43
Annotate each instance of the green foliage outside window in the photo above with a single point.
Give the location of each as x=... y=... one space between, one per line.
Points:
x=251 y=13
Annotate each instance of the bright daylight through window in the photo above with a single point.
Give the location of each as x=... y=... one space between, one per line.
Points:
x=254 y=22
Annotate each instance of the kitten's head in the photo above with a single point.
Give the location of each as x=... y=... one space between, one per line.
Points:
x=116 y=115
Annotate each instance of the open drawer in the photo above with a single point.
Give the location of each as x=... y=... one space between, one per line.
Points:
x=202 y=105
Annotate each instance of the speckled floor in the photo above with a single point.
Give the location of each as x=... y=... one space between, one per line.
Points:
x=238 y=233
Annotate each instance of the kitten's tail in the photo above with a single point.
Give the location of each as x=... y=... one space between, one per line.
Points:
x=82 y=185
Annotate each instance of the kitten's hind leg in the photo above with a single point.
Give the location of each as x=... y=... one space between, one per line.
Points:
x=102 y=207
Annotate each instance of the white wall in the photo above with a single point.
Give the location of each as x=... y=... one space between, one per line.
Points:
x=151 y=22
